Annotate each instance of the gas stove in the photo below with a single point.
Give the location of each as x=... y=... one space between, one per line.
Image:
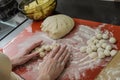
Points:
x=6 y=27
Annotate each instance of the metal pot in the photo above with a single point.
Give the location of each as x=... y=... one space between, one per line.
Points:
x=8 y=8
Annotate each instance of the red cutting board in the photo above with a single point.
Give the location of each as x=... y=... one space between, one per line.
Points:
x=25 y=71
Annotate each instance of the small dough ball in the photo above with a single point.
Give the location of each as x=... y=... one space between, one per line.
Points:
x=93 y=55
x=104 y=45
x=105 y=36
x=112 y=40
x=42 y=54
x=100 y=50
x=107 y=52
x=95 y=41
x=89 y=42
x=88 y=50
x=38 y=49
x=47 y=48
x=94 y=48
x=101 y=55
x=102 y=41
x=57 y=26
x=99 y=36
x=93 y=38
x=98 y=45
x=113 y=52
x=83 y=49
x=108 y=47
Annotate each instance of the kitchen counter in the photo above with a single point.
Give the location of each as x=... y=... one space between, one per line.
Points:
x=100 y=11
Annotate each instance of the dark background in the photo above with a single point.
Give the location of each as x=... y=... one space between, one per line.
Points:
x=95 y=10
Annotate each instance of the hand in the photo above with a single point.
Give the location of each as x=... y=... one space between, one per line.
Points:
x=54 y=63
x=23 y=56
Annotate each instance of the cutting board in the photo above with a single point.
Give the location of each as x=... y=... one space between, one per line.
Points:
x=25 y=70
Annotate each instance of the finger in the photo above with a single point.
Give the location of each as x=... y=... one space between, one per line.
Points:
x=61 y=58
x=66 y=59
x=32 y=46
x=54 y=51
x=29 y=56
x=60 y=52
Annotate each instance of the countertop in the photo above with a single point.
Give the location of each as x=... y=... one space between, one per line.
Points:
x=94 y=10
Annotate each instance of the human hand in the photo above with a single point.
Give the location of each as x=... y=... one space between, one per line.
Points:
x=23 y=56
x=54 y=63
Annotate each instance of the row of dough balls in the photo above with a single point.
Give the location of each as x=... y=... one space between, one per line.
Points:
x=100 y=46
x=44 y=49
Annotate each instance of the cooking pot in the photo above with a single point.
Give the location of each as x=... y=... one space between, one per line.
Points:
x=8 y=8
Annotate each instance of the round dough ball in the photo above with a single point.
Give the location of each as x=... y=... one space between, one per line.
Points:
x=94 y=48
x=101 y=55
x=98 y=45
x=104 y=45
x=105 y=36
x=113 y=52
x=57 y=26
x=88 y=50
x=99 y=36
x=100 y=50
x=107 y=52
x=108 y=47
x=112 y=40
x=93 y=55
x=95 y=41
x=102 y=41
x=83 y=49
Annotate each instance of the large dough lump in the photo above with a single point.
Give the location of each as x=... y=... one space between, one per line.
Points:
x=57 y=26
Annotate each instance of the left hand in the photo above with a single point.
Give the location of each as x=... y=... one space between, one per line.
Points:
x=24 y=56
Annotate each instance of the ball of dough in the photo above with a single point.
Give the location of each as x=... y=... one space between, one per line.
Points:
x=107 y=52
x=88 y=50
x=101 y=55
x=104 y=45
x=113 y=52
x=108 y=47
x=93 y=55
x=99 y=36
x=102 y=41
x=105 y=36
x=83 y=49
x=100 y=49
x=94 y=48
x=112 y=40
x=57 y=26
x=98 y=45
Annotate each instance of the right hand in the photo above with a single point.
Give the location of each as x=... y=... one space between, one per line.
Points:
x=54 y=63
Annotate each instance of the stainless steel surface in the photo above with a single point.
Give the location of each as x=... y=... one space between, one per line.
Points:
x=14 y=33
x=7 y=26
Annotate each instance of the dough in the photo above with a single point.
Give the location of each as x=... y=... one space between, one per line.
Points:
x=112 y=40
x=107 y=52
x=99 y=36
x=93 y=55
x=105 y=36
x=104 y=45
x=83 y=49
x=57 y=26
x=113 y=52
x=108 y=47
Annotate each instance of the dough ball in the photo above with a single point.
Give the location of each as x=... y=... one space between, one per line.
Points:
x=57 y=26
x=47 y=48
x=98 y=45
x=94 y=48
x=95 y=41
x=42 y=54
x=101 y=55
x=107 y=52
x=88 y=50
x=108 y=47
x=99 y=36
x=89 y=42
x=112 y=40
x=83 y=49
x=113 y=52
x=100 y=50
x=93 y=55
x=105 y=36
x=104 y=45
x=102 y=41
